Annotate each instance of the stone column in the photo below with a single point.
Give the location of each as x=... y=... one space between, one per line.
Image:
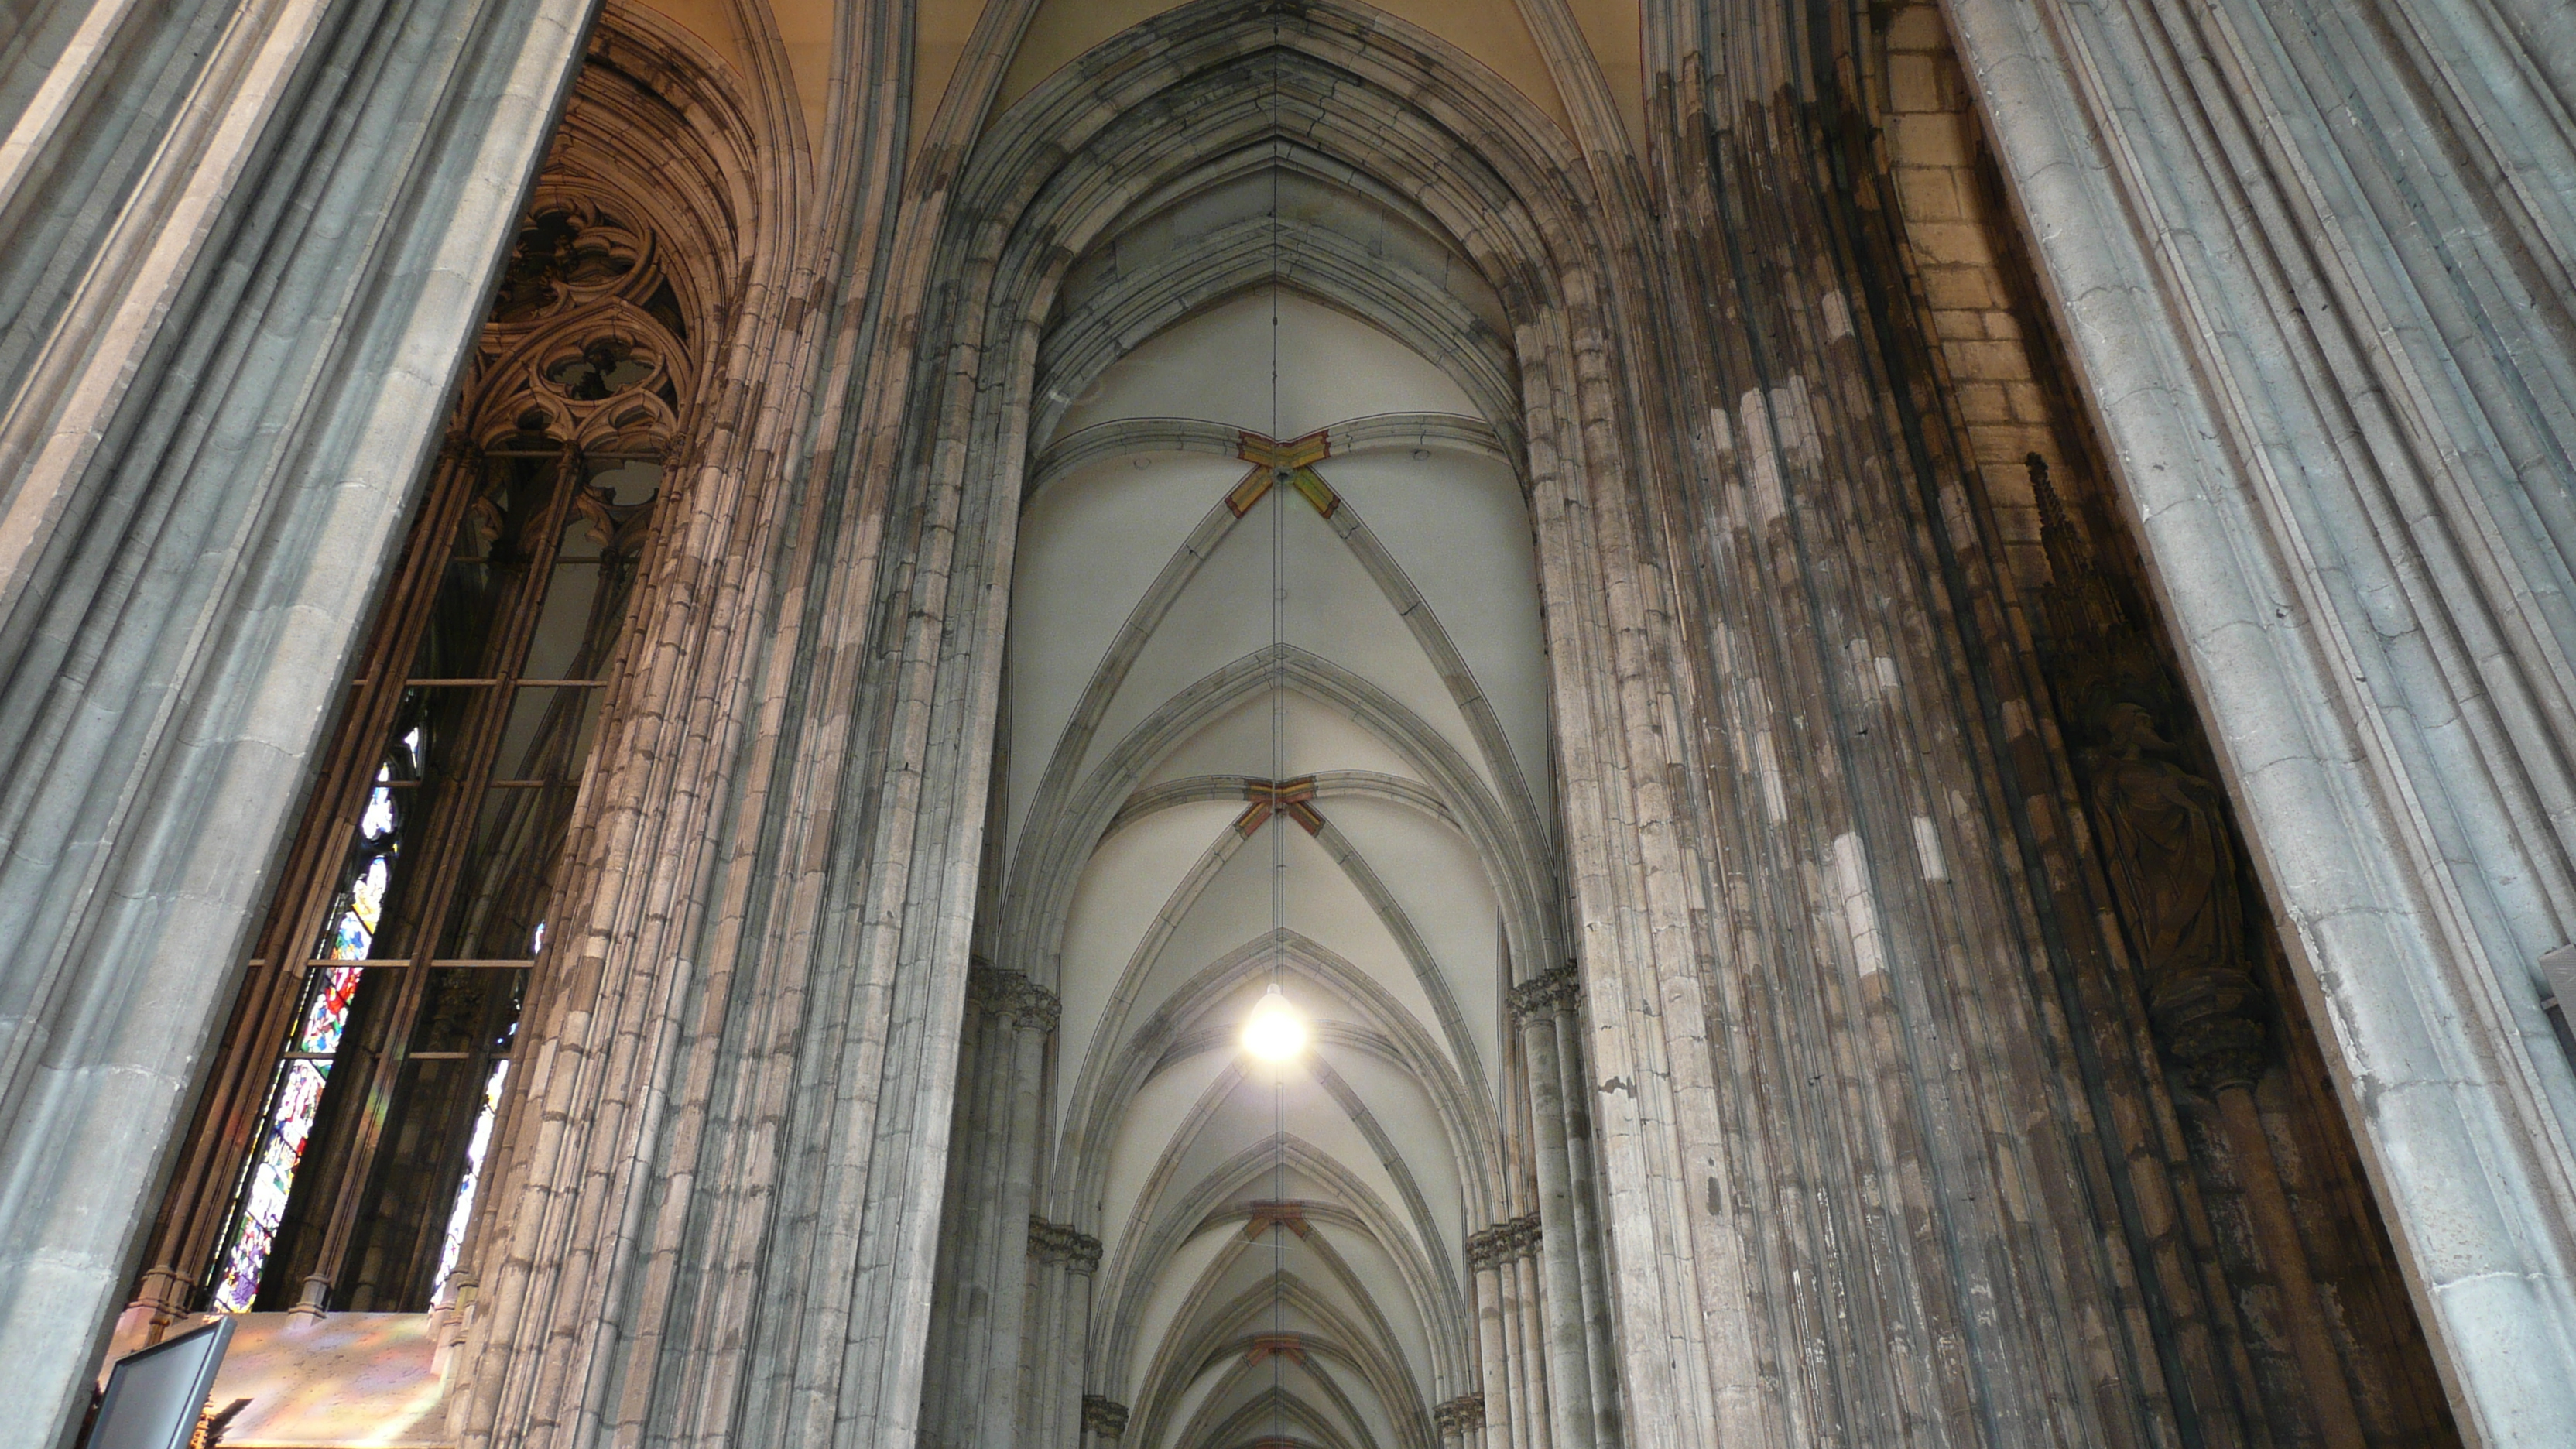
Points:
x=1567 y=1327
x=2310 y=261
x=1600 y=1357
x=1535 y=1381
x=2211 y=1023
x=244 y=247
x=1062 y=1263
x=1493 y=1357
x=971 y=1387
x=1514 y=1345
x=1029 y=1012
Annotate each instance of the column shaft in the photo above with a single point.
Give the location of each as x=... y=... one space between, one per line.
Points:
x=219 y=388
x=1569 y=1369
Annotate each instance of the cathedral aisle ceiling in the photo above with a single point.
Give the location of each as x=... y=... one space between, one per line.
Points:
x=1405 y=697
x=1195 y=798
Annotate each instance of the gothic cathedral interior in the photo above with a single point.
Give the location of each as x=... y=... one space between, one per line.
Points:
x=1290 y=724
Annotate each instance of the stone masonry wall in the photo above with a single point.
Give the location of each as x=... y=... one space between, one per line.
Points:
x=2014 y=391
x=1961 y=240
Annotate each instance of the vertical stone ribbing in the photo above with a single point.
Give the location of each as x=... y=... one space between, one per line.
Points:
x=2313 y=285
x=1601 y=1361
x=973 y=1387
x=248 y=246
x=1568 y=1329
x=1493 y=1361
x=726 y=1170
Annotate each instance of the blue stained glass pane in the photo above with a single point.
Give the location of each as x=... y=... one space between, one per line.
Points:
x=458 y=1215
x=378 y=821
x=271 y=1179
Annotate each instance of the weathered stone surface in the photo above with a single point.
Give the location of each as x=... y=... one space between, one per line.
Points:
x=227 y=379
x=1826 y=1098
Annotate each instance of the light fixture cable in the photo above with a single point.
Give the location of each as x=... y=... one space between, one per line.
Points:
x=1278 y=773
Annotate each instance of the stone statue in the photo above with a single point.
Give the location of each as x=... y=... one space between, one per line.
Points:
x=2166 y=848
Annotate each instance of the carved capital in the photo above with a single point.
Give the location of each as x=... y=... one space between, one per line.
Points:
x=1546 y=993
x=1060 y=1244
x=1464 y=1414
x=1504 y=1242
x=1104 y=1417
x=999 y=993
x=2210 y=1022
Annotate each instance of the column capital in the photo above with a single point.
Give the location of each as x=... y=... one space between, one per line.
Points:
x=1103 y=1416
x=1504 y=1242
x=1546 y=993
x=1062 y=1244
x=998 y=992
x=1464 y=1414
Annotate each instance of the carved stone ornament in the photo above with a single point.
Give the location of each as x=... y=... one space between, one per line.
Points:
x=2162 y=831
x=1504 y=1242
x=1059 y=1243
x=1464 y=1414
x=1546 y=993
x=999 y=993
x=1104 y=1417
x=2166 y=848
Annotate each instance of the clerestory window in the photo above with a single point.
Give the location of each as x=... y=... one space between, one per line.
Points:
x=379 y=1029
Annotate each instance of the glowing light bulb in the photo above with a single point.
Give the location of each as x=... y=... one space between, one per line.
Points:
x=1273 y=1032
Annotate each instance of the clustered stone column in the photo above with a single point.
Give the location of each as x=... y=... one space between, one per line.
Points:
x=972 y=1388
x=1511 y=1330
x=2310 y=263
x=1062 y=1265
x=245 y=247
x=2168 y=850
x=1584 y=1374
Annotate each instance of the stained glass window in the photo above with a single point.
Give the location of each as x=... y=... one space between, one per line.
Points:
x=297 y=1093
x=475 y=1147
x=272 y=1176
x=411 y=929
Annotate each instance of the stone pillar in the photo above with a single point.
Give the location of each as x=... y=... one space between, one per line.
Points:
x=1564 y=1321
x=1063 y=1262
x=2165 y=845
x=1511 y=1320
x=2165 y=838
x=245 y=246
x=2310 y=263
x=1493 y=1357
x=971 y=1386
x=1600 y=1356
x=1029 y=1012
x=1536 y=1383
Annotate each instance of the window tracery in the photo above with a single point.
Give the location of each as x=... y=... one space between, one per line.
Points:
x=409 y=932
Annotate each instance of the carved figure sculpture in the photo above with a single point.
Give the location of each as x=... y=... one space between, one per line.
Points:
x=2166 y=848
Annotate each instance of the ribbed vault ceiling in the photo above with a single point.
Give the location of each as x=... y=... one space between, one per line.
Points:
x=1280 y=1259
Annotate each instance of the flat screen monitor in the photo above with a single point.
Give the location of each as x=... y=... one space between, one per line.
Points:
x=155 y=1396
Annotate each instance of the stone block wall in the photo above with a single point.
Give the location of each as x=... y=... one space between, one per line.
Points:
x=1961 y=239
